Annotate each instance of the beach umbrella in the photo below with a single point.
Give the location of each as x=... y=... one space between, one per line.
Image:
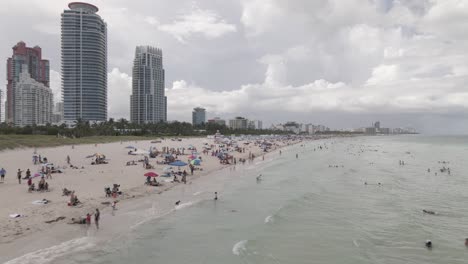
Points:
x=151 y=174
x=178 y=163
x=195 y=162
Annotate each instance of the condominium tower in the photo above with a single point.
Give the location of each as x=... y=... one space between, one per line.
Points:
x=84 y=63
x=29 y=60
x=148 y=104
x=33 y=101
x=198 y=116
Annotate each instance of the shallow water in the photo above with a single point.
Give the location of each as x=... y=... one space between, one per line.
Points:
x=304 y=211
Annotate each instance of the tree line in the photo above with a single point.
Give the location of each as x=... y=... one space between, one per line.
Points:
x=124 y=127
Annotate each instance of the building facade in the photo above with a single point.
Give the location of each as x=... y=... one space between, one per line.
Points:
x=217 y=120
x=31 y=60
x=33 y=101
x=198 y=116
x=84 y=63
x=239 y=123
x=148 y=103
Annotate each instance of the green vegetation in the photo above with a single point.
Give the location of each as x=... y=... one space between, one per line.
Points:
x=110 y=131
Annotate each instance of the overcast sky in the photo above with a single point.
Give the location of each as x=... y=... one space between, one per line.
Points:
x=341 y=63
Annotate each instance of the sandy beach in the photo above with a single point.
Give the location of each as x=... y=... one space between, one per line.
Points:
x=89 y=181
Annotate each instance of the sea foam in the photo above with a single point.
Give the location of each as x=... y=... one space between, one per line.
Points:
x=239 y=247
x=49 y=254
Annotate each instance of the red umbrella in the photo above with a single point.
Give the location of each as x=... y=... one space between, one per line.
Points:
x=151 y=174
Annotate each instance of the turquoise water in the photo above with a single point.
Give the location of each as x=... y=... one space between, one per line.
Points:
x=304 y=211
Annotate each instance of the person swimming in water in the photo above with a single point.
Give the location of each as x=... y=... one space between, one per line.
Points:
x=428 y=212
x=429 y=244
x=177 y=203
x=216 y=196
x=259 y=177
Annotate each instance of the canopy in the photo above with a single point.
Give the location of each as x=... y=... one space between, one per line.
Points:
x=195 y=162
x=151 y=174
x=178 y=163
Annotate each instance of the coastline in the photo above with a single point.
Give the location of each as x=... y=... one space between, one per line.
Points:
x=41 y=235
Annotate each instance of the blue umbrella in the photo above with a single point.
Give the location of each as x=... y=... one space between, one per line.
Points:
x=178 y=163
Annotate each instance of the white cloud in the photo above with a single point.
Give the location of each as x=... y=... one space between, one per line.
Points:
x=205 y=22
x=119 y=86
x=258 y=15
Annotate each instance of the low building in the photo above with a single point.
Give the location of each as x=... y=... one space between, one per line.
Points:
x=218 y=121
x=33 y=101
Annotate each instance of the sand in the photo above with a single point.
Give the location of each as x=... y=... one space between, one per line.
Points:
x=88 y=182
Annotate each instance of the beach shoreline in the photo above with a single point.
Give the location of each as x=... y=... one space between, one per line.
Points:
x=23 y=231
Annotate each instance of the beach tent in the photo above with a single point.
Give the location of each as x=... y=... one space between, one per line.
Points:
x=178 y=163
x=195 y=162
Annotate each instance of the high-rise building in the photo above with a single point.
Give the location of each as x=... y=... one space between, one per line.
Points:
x=84 y=63
x=239 y=123
x=33 y=101
x=255 y=124
x=31 y=58
x=198 y=116
x=57 y=116
x=377 y=125
x=148 y=103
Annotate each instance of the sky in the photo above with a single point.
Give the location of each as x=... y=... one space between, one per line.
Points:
x=341 y=63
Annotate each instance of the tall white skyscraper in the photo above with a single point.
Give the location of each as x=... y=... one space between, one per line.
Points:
x=84 y=63
x=33 y=101
x=148 y=103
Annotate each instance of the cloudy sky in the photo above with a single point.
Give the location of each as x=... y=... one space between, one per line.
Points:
x=341 y=63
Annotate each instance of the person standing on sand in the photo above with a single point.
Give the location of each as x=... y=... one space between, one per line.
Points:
x=88 y=218
x=19 y=176
x=68 y=159
x=97 y=216
x=2 y=174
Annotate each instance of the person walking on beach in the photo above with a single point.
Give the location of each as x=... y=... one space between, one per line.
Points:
x=97 y=216
x=68 y=159
x=19 y=176
x=2 y=174
x=297 y=155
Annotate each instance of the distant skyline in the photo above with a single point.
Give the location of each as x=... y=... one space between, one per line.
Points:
x=341 y=63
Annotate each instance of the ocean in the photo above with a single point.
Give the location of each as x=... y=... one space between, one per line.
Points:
x=316 y=208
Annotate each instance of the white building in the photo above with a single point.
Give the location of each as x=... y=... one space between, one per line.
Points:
x=239 y=123
x=255 y=124
x=33 y=102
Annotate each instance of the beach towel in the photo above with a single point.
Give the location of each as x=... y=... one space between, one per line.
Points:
x=40 y=202
x=16 y=215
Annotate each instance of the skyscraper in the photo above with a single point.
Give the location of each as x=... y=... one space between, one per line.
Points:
x=198 y=116
x=33 y=101
x=148 y=104
x=31 y=59
x=84 y=63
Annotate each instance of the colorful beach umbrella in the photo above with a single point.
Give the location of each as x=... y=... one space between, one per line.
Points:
x=151 y=174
